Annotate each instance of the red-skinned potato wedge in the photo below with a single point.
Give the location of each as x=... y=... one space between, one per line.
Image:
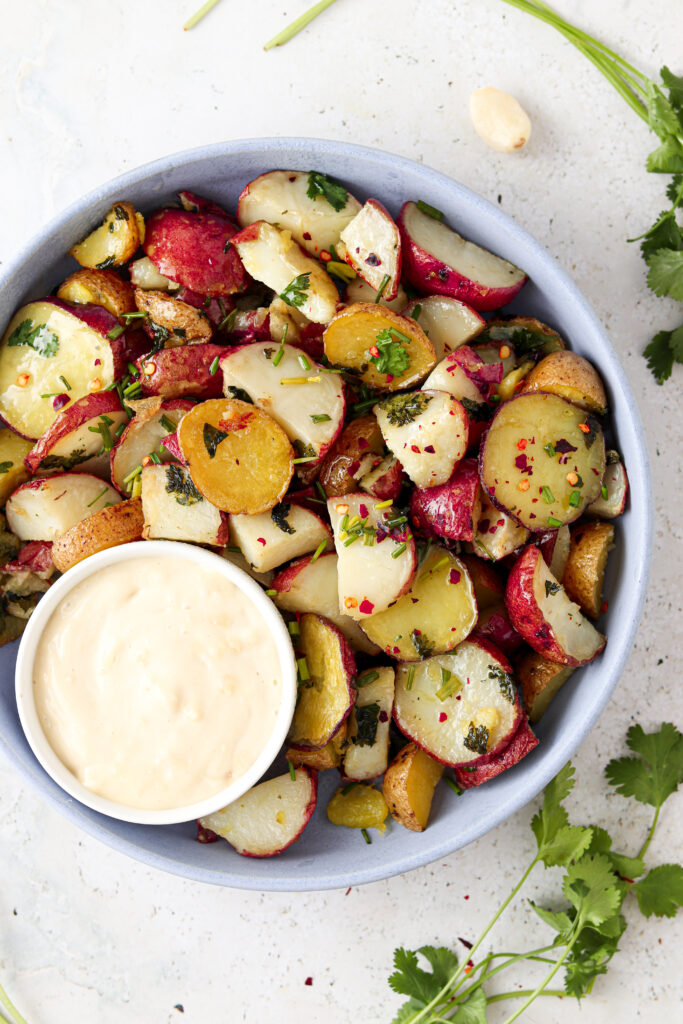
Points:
x=614 y=489
x=427 y=431
x=117 y=524
x=540 y=680
x=194 y=203
x=542 y=460
x=272 y=538
x=269 y=817
x=273 y=257
x=174 y=509
x=462 y=707
x=239 y=458
x=329 y=756
x=312 y=585
x=154 y=419
x=115 y=241
x=465 y=375
x=50 y=342
x=98 y=288
x=570 y=376
x=351 y=456
x=45 y=508
x=143 y=274
x=359 y=291
x=544 y=615
x=448 y=323
x=439 y=261
x=496 y=534
x=584 y=574
x=326 y=675
x=192 y=249
x=297 y=202
x=184 y=371
x=554 y=547
x=436 y=613
x=521 y=744
x=526 y=336
x=385 y=480
x=494 y=624
x=362 y=334
x=81 y=430
x=408 y=786
x=308 y=403
x=450 y=510
x=13 y=451
x=371 y=576
x=171 y=320
x=366 y=752
x=371 y=244
x=488 y=587
x=34 y=557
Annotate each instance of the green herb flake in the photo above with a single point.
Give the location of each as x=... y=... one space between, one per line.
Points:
x=388 y=354
x=279 y=515
x=411 y=678
x=213 y=369
x=505 y=681
x=366 y=678
x=168 y=424
x=477 y=739
x=404 y=409
x=367 y=720
x=382 y=288
x=575 y=499
x=42 y=340
x=320 y=417
x=431 y=211
x=547 y=495
x=240 y=394
x=212 y=438
x=552 y=588
x=549 y=449
x=422 y=644
x=95 y=500
x=179 y=485
x=5 y=467
x=292 y=771
x=552 y=521
x=319 y=185
x=604 y=492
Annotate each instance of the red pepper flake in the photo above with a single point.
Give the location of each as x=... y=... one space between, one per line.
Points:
x=366 y=607
x=454 y=576
x=458 y=696
x=429 y=448
x=390 y=377
x=465 y=897
x=347 y=891
x=325 y=256
x=584 y=428
x=521 y=444
x=308 y=981
x=522 y=464
x=469 y=966
x=363 y=510
x=374 y=351
x=443 y=716
x=415 y=449
x=518 y=385
x=98 y=362
x=60 y=401
x=397 y=650
x=604 y=608
x=261 y=540
x=353 y=469
x=383 y=716
x=307 y=236
x=523 y=485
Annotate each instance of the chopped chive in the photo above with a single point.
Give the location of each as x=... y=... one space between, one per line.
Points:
x=292 y=380
x=213 y=369
x=411 y=676
x=106 y=419
x=302 y=668
x=431 y=211
x=321 y=490
x=347 y=789
x=383 y=504
x=136 y=489
x=397 y=552
x=293 y=627
x=115 y=332
x=320 y=417
x=305 y=365
x=155 y=458
x=51 y=394
x=366 y=678
x=549 y=449
x=341 y=270
x=198 y=15
x=548 y=496
x=382 y=288
x=603 y=491
x=306 y=458
x=330 y=369
x=134 y=316
x=435 y=568
x=416 y=312
x=449 y=684
x=91 y=503
x=132 y=389
x=120 y=429
x=575 y=499
x=228 y=322
x=353 y=521
x=395 y=521
x=366 y=837
x=65 y=382
x=354 y=537
x=345 y=522
x=453 y=785
x=133 y=474
x=292 y=772
x=132 y=369
x=318 y=551
x=277 y=358
x=554 y=522
x=269 y=593
x=168 y=424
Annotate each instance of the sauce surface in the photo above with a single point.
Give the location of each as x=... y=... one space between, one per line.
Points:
x=157 y=682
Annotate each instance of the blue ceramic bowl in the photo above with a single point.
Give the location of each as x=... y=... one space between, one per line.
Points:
x=329 y=857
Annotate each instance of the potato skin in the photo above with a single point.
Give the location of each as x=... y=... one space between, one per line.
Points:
x=395 y=786
x=186 y=324
x=359 y=438
x=99 y=288
x=183 y=370
x=118 y=524
x=591 y=542
x=540 y=679
x=570 y=376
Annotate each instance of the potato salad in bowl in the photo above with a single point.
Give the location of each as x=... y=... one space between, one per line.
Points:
x=333 y=397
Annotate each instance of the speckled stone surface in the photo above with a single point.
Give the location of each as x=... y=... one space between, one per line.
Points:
x=89 y=90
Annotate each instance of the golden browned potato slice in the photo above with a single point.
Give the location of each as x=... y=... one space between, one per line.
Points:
x=584 y=574
x=570 y=376
x=13 y=451
x=326 y=693
x=390 y=352
x=114 y=242
x=351 y=456
x=99 y=288
x=540 y=680
x=182 y=323
x=238 y=456
x=358 y=806
x=117 y=524
x=329 y=756
x=409 y=784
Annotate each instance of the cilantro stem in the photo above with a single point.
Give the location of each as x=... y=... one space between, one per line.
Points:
x=11 y=1008
x=650 y=835
x=297 y=25
x=198 y=15
x=559 y=992
x=541 y=988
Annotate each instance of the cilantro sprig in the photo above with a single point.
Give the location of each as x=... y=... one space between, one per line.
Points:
x=295 y=292
x=320 y=185
x=388 y=354
x=660 y=105
x=596 y=881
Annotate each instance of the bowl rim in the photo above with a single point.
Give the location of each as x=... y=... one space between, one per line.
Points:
x=540 y=773
x=35 y=627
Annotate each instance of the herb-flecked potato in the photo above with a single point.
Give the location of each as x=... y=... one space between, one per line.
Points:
x=115 y=241
x=172 y=321
x=351 y=456
x=408 y=787
x=570 y=376
x=99 y=288
x=540 y=679
x=107 y=528
x=584 y=572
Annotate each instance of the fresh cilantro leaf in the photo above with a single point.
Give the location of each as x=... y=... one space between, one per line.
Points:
x=661 y=891
x=667 y=158
x=559 y=921
x=547 y=822
x=42 y=340
x=473 y=1010
x=590 y=886
x=664 y=234
x=674 y=83
x=410 y=979
x=320 y=185
x=673 y=189
x=625 y=867
x=212 y=438
x=662 y=117
x=567 y=845
x=389 y=355
x=660 y=354
x=653 y=776
x=666 y=273
x=590 y=957
x=295 y=292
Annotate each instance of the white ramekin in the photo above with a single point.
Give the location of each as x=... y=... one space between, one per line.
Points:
x=29 y=645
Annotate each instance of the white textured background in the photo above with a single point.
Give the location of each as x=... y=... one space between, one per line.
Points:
x=89 y=89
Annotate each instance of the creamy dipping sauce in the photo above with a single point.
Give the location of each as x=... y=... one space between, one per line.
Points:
x=157 y=682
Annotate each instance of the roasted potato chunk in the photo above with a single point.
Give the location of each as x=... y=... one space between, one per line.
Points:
x=173 y=321
x=570 y=376
x=584 y=573
x=113 y=243
x=408 y=787
x=117 y=524
x=363 y=806
x=540 y=679
x=98 y=288
x=352 y=455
